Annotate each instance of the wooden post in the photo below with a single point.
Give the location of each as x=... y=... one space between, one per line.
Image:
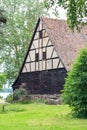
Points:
x=3 y=107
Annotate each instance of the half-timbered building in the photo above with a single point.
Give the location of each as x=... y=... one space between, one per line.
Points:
x=51 y=52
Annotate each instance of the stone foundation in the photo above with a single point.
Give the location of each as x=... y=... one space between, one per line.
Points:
x=50 y=99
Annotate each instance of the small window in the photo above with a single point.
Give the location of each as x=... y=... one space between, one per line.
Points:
x=37 y=57
x=40 y=34
x=44 y=55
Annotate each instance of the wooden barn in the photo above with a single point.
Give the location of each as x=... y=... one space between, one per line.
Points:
x=51 y=52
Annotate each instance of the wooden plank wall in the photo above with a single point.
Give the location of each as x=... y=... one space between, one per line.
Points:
x=44 y=82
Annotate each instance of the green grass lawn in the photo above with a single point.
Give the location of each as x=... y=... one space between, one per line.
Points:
x=36 y=116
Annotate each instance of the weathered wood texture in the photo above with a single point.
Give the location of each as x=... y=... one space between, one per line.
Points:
x=43 y=82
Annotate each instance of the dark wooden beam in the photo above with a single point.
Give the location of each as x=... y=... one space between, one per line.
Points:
x=52 y=52
x=46 y=59
x=58 y=63
x=42 y=47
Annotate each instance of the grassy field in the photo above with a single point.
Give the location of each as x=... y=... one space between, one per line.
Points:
x=36 y=116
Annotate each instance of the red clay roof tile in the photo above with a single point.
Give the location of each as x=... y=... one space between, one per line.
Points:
x=67 y=43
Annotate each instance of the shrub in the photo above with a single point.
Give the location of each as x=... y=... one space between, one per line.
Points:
x=20 y=94
x=75 y=89
x=1 y=97
x=9 y=98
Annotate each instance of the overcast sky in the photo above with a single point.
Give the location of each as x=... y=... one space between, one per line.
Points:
x=62 y=13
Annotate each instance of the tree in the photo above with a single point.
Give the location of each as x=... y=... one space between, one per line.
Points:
x=76 y=11
x=22 y=16
x=2 y=17
x=2 y=79
x=75 y=88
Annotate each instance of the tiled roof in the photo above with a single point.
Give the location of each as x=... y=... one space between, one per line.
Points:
x=66 y=42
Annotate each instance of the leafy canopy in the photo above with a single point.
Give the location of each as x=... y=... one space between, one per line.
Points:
x=76 y=11
x=2 y=80
x=75 y=89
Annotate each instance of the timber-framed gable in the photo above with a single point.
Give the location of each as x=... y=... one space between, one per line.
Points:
x=49 y=57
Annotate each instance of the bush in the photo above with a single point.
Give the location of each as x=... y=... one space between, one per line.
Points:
x=75 y=89
x=9 y=98
x=1 y=97
x=20 y=94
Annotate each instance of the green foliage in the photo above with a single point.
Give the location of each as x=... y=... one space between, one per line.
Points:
x=1 y=97
x=20 y=94
x=3 y=20
x=9 y=98
x=26 y=101
x=75 y=89
x=2 y=79
x=76 y=11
